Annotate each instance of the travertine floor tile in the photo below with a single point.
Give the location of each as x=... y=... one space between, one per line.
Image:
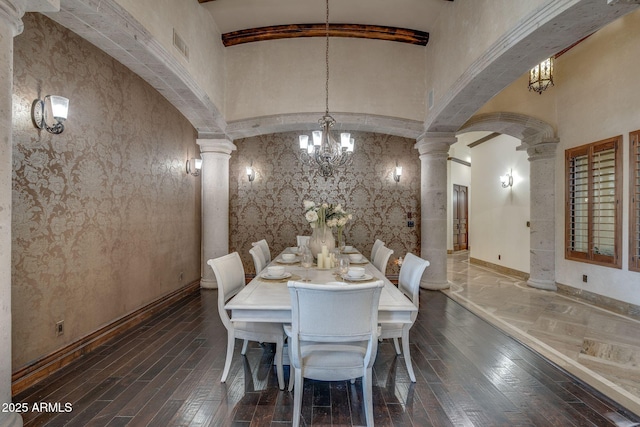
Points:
x=600 y=347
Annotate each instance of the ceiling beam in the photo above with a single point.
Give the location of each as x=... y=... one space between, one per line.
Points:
x=376 y=32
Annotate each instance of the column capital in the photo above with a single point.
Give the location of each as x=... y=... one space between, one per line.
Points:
x=542 y=150
x=435 y=143
x=11 y=12
x=221 y=146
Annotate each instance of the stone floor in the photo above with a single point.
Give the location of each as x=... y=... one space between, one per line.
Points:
x=600 y=347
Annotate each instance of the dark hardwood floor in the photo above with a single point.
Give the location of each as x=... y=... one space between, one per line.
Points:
x=166 y=373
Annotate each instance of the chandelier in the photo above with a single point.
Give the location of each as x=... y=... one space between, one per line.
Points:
x=541 y=76
x=324 y=152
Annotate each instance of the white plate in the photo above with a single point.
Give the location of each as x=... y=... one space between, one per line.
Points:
x=283 y=261
x=362 y=261
x=285 y=275
x=350 y=251
x=357 y=279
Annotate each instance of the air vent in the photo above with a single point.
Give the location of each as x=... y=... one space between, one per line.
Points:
x=180 y=44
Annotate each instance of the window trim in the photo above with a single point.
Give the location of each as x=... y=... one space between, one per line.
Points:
x=634 y=199
x=590 y=257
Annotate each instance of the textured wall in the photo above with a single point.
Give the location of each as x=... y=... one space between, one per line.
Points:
x=105 y=219
x=271 y=206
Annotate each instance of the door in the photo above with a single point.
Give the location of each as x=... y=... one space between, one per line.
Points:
x=460 y=217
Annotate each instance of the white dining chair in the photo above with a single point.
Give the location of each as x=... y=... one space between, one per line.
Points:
x=264 y=246
x=229 y=274
x=376 y=245
x=381 y=259
x=333 y=336
x=258 y=259
x=303 y=240
x=409 y=283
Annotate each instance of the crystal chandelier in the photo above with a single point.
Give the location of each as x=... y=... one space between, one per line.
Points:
x=541 y=76
x=324 y=152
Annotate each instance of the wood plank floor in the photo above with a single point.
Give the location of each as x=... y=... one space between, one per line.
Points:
x=167 y=373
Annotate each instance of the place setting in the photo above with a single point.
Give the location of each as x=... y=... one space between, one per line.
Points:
x=288 y=259
x=355 y=274
x=358 y=258
x=278 y=274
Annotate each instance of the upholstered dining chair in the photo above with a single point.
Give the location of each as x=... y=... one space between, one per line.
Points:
x=409 y=283
x=381 y=259
x=264 y=247
x=376 y=245
x=303 y=240
x=333 y=336
x=229 y=274
x=258 y=259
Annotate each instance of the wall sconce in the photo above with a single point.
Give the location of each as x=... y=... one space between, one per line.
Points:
x=57 y=106
x=507 y=179
x=251 y=173
x=397 y=173
x=194 y=166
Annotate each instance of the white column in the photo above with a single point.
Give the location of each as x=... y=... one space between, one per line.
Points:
x=11 y=12
x=215 y=155
x=542 y=261
x=434 y=151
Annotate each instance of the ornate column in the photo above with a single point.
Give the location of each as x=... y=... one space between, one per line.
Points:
x=542 y=262
x=434 y=151
x=11 y=12
x=215 y=154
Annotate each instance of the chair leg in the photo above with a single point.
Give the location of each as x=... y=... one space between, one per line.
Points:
x=231 y=340
x=407 y=355
x=278 y=362
x=367 y=394
x=244 y=347
x=297 y=398
x=397 y=346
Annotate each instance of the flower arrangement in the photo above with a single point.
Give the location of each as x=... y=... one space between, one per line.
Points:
x=329 y=215
x=326 y=214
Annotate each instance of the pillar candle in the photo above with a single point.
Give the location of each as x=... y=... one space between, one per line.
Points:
x=320 y=260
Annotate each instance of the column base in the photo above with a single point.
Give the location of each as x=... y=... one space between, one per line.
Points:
x=547 y=285
x=10 y=419
x=435 y=286
x=207 y=284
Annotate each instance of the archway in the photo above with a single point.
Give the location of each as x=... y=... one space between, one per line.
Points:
x=539 y=140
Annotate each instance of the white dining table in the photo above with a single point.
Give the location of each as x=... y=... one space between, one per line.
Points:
x=264 y=300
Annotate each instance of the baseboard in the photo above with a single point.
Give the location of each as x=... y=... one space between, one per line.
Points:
x=500 y=268
x=38 y=370
x=601 y=301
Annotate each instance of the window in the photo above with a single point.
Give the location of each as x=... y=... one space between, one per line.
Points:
x=593 y=195
x=634 y=201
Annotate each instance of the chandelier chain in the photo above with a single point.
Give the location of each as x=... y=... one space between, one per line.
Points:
x=326 y=27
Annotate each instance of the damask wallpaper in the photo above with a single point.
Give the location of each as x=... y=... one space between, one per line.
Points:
x=105 y=219
x=270 y=207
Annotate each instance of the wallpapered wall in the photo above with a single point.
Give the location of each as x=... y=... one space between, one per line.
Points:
x=270 y=207
x=105 y=219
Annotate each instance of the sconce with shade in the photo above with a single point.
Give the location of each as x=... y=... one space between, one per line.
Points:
x=397 y=173
x=52 y=105
x=507 y=179
x=251 y=173
x=194 y=166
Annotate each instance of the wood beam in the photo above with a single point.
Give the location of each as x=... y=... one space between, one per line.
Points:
x=376 y=32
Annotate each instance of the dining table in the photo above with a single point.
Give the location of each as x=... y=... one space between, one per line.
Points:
x=267 y=300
